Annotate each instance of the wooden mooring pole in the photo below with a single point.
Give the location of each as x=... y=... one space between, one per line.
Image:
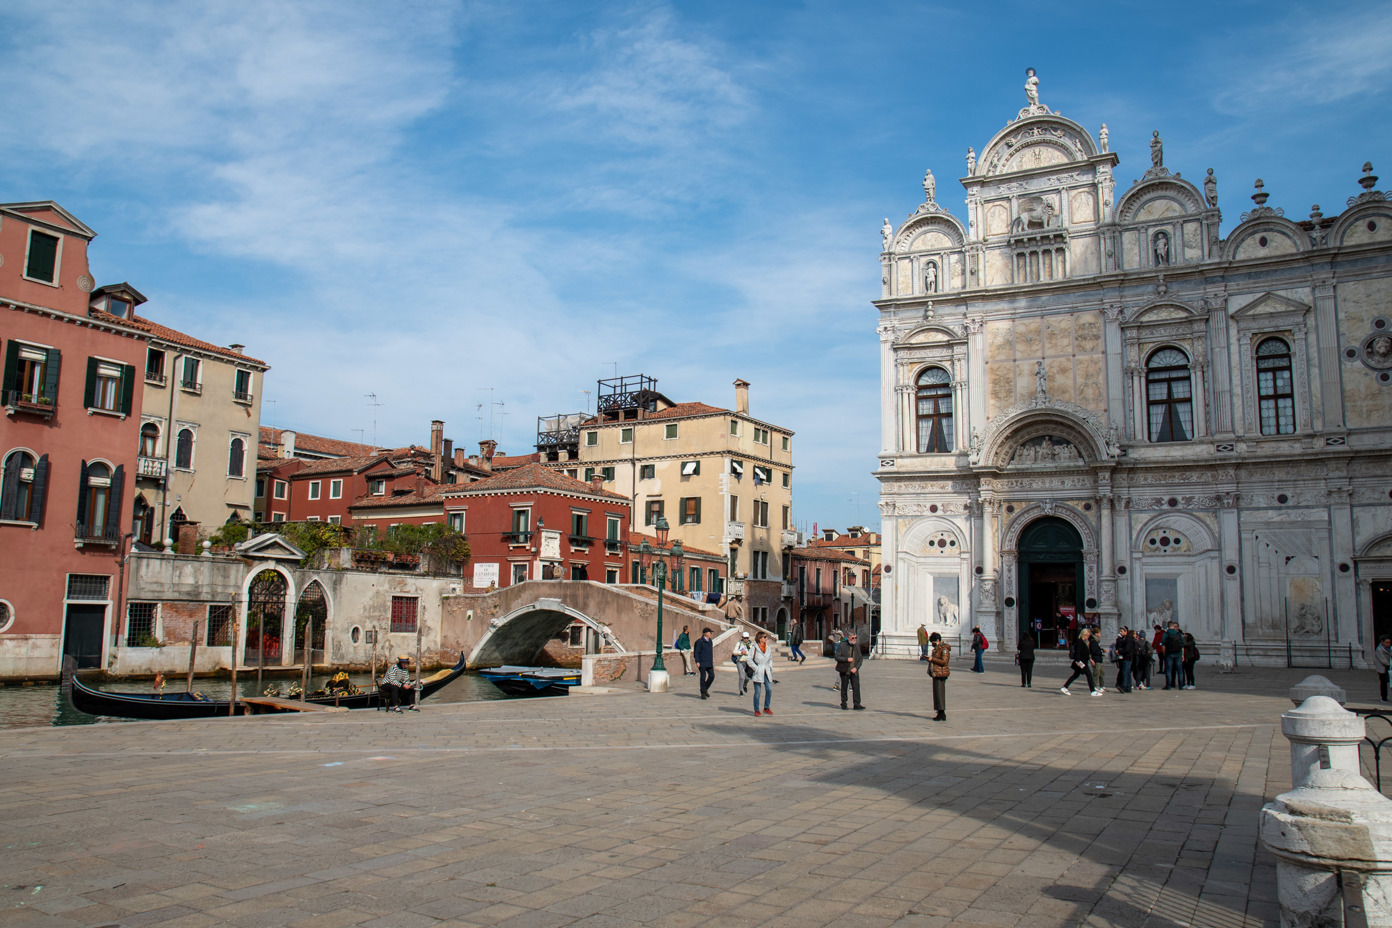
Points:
x=193 y=654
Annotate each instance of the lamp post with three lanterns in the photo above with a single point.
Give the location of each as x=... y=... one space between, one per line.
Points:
x=656 y=559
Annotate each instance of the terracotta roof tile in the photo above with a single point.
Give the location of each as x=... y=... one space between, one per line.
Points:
x=827 y=554
x=431 y=494
x=528 y=477
x=351 y=465
x=165 y=333
x=317 y=444
x=510 y=461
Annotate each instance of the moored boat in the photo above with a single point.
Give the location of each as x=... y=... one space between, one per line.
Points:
x=182 y=705
x=532 y=681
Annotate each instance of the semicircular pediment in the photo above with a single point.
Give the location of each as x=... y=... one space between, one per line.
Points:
x=1158 y=199
x=931 y=232
x=1049 y=139
x=1047 y=436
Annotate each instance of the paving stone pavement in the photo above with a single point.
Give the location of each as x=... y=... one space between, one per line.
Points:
x=1025 y=808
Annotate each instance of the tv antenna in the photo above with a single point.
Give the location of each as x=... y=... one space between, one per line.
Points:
x=491 y=403
x=374 y=404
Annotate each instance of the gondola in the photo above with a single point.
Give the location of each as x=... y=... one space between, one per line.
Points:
x=532 y=681
x=183 y=705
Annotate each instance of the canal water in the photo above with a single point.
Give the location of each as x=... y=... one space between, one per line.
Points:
x=26 y=706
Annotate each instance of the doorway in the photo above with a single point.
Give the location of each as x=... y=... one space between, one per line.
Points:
x=1051 y=579
x=82 y=635
x=1382 y=608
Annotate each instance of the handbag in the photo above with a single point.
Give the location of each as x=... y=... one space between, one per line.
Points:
x=1017 y=660
x=748 y=670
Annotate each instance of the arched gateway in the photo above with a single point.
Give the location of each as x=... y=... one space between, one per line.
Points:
x=1051 y=581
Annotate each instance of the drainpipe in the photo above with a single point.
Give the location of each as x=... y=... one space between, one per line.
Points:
x=168 y=457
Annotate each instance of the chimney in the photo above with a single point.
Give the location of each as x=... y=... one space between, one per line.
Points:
x=486 y=449
x=236 y=348
x=742 y=396
x=420 y=481
x=287 y=444
x=597 y=483
x=458 y=457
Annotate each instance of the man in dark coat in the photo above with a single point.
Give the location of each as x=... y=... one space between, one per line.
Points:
x=704 y=654
x=848 y=660
x=795 y=640
x=1173 y=643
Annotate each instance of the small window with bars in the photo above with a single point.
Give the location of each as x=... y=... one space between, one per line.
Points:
x=140 y=625
x=219 y=627
x=87 y=586
x=404 y=610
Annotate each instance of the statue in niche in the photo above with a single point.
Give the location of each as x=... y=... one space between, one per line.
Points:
x=1046 y=449
x=886 y=233
x=930 y=277
x=1162 y=249
x=1035 y=213
x=930 y=187
x=947 y=611
x=1161 y=614
x=1049 y=450
x=1157 y=150
x=976 y=441
x=1210 y=189
x=971 y=160
x=1307 y=621
x=1102 y=138
x=1379 y=351
x=1031 y=87
x=1041 y=380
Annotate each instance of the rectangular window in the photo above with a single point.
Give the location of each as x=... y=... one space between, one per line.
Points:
x=787 y=443
x=579 y=526
x=652 y=512
x=219 y=627
x=690 y=468
x=611 y=575
x=314 y=489
x=335 y=520
x=404 y=610
x=519 y=573
x=42 y=260
x=456 y=522
x=713 y=576
x=140 y=625
x=106 y=385
x=154 y=366
x=737 y=469
x=626 y=436
x=241 y=388
x=589 y=474
x=591 y=439
x=607 y=473
x=760 y=514
x=669 y=430
x=647 y=471
x=787 y=519
x=611 y=530
x=734 y=426
x=277 y=517
x=378 y=487
x=192 y=377
x=691 y=510
x=694 y=583
x=579 y=572
x=787 y=480
x=312 y=519
x=88 y=587
x=521 y=520
x=734 y=509
x=762 y=475
x=761 y=436
x=280 y=489
x=260 y=487
x=336 y=489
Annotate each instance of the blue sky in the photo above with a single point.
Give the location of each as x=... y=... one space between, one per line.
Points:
x=426 y=201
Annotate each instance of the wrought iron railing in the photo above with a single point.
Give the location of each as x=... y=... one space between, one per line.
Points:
x=96 y=534
x=30 y=402
x=517 y=538
x=241 y=396
x=156 y=377
x=191 y=386
x=1374 y=742
x=581 y=541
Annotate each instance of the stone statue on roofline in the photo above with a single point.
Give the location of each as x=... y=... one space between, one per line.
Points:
x=1102 y=138
x=930 y=187
x=1031 y=87
x=1157 y=150
x=971 y=160
x=886 y=233
x=1210 y=189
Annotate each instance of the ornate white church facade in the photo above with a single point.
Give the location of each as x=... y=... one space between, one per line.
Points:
x=1096 y=408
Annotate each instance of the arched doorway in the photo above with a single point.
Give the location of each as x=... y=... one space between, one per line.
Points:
x=1051 y=586
x=265 y=618
x=313 y=611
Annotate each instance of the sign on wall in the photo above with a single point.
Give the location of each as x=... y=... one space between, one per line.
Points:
x=551 y=545
x=485 y=574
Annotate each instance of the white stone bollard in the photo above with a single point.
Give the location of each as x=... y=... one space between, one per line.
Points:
x=1332 y=822
x=1316 y=685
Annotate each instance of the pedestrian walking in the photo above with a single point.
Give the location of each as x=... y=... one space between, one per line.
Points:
x=704 y=654
x=922 y=642
x=938 y=669
x=978 y=646
x=1080 y=659
x=795 y=640
x=1024 y=656
x=1173 y=643
x=760 y=659
x=1127 y=645
x=737 y=657
x=1191 y=657
x=1140 y=672
x=1382 y=660
x=1097 y=657
x=682 y=644
x=848 y=661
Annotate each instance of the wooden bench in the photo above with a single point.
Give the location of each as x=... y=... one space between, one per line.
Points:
x=290 y=705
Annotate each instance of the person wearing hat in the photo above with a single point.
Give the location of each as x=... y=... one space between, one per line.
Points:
x=396 y=683
x=737 y=656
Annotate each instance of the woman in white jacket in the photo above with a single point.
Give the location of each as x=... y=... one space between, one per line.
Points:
x=760 y=660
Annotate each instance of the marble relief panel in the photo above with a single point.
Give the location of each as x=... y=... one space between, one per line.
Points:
x=1082 y=207
x=932 y=240
x=1024 y=379
x=1091 y=383
x=905 y=286
x=1130 y=249
x=1027 y=338
x=1058 y=335
x=998 y=218
x=1000 y=378
x=1087 y=333
x=1193 y=241
x=1083 y=252
x=1061 y=373
x=1159 y=208
x=1367 y=403
x=1000 y=340
x=999 y=272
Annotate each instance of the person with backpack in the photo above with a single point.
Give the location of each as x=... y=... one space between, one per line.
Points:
x=979 y=645
x=1080 y=657
x=1140 y=673
x=1024 y=656
x=938 y=669
x=737 y=656
x=1173 y=643
x=1114 y=655
x=1127 y=646
x=1191 y=657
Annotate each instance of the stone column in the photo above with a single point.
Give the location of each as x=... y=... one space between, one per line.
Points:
x=1345 y=605
x=1230 y=545
x=889 y=574
x=1221 y=369
x=1115 y=372
x=1327 y=355
x=888 y=409
x=1201 y=392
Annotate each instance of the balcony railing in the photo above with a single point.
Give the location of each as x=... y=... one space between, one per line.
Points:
x=241 y=396
x=156 y=377
x=613 y=546
x=734 y=531
x=191 y=386
x=151 y=467
x=789 y=539
x=517 y=538
x=581 y=541
x=34 y=403
x=96 y=535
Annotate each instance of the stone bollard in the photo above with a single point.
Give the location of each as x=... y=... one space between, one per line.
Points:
x=1332 y=833
x=1316 y=685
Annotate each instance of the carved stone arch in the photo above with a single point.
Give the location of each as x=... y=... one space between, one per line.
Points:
x=945 y=223
x=1352 y=226
x=919 y=531
x=1282 y=236
x=1201 y=537
x=1057 y=133
x=923 y=335
x=1172 y=345
x=312 y=605
x=1063 y=511
x=266 y=612
x=1381 y=546
x=1008 y=433
x=1163 y=310
x=515 y=638
x=1184 y=195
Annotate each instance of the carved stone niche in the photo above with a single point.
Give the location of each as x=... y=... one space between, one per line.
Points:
x=1048 y=450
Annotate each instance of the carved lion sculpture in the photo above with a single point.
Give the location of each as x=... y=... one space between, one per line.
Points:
x=947 y=611
x=1035 y=213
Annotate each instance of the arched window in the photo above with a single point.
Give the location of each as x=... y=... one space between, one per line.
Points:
x=236 y=458
x=94 y=504
x=22 y=482
x=1275 y=397
x=1169 y=396
x=149 y=440
x=934 y=411
x=183 y=451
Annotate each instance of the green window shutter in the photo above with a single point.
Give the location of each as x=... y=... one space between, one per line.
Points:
x=11 y=368
x=43 y=256
x=36 y=507
x=127 y=388
x=113 y=503
x=9 y=486
x=698 y=510
x=89 y=392
x=51 y=366
x=82 y=497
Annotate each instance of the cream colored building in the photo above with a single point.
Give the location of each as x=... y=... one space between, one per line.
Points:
x=722 y=478
x=199 y=427
x=1093 y=402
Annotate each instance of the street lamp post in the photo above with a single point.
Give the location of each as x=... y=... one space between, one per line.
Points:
x=655 y=558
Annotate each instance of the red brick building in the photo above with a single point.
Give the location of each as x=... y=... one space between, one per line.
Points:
x=68 y=443
x=824 y=590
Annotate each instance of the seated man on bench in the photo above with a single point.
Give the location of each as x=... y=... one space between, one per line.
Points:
x=396 y=685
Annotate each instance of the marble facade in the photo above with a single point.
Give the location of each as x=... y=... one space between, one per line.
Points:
x=1253 y=502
